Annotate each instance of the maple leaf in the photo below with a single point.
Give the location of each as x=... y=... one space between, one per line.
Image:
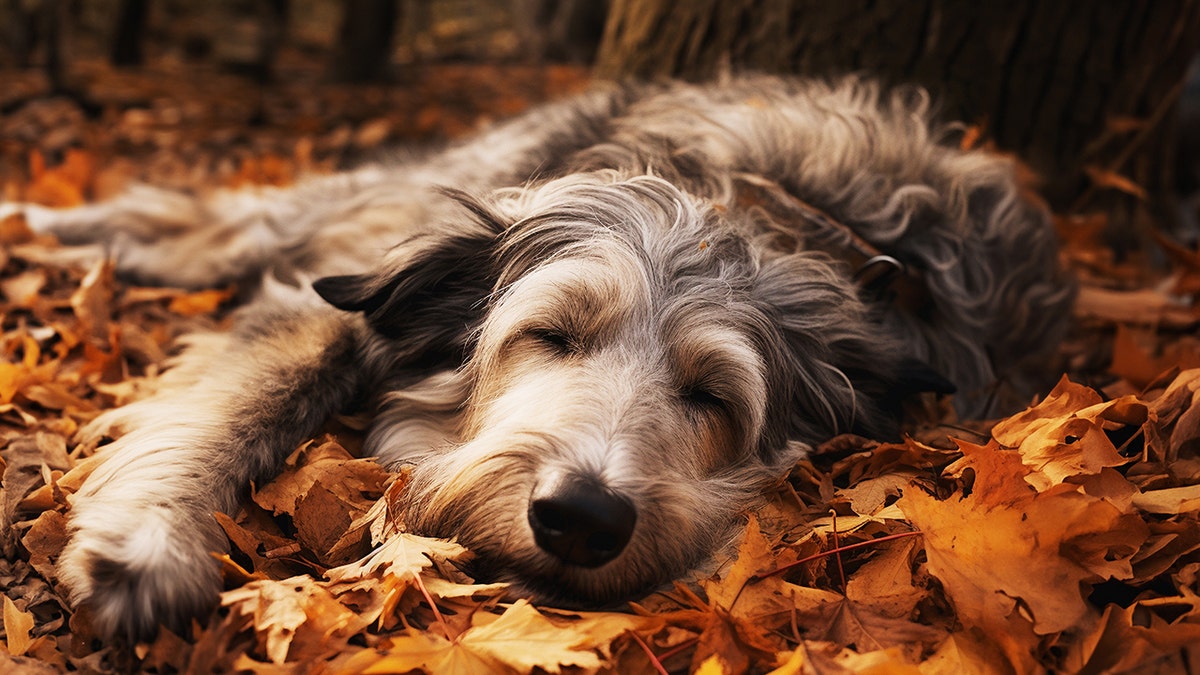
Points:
x=282 y=610
x=1064 y=436
x=425 y=652
x=754 y=555
x=520 y=640
x=393 y=568
x=403 y=558
x=881 y=602
x=326 y=492
x=330 y=465
x=744 y=608
x=982 y=546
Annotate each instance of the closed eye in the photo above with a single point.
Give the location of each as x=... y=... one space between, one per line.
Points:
x=557 y=341
x=702 y=398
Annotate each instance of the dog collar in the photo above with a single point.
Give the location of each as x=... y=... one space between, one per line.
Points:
x=880 y=276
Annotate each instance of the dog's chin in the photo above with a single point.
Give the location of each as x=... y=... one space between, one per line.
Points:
x=554 y=584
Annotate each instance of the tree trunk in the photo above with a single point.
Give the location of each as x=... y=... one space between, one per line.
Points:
x=129 y=32
x=1074 y=87
x=364 y=45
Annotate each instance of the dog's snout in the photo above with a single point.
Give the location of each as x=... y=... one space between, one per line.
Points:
x=582 y=522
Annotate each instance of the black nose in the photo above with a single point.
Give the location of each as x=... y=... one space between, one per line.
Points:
x=582 y=523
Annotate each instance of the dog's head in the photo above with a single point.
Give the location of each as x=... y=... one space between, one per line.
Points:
x=636 y=369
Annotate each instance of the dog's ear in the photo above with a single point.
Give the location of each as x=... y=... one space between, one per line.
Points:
x=430 y=296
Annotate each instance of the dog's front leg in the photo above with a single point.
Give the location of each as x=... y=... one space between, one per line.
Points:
x=234 y=406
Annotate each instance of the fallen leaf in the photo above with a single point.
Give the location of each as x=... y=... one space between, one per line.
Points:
x=1064 y=436
x=1170 y=501
x=1114 y=180
x=981 y=545
x=520 y=640
x=403 y=558
x=1147 y=306
x=62 y=186
x=22 y=290
x=17 y=625
x=200 y=302
x=93 y=301
x=1125 y=639
x=282 y=610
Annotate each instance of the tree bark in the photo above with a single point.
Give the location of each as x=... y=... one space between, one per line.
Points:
x=128 y=33
x=1074 y=87
x=364 y=45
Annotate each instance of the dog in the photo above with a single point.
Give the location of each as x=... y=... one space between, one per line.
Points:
x=594 y=332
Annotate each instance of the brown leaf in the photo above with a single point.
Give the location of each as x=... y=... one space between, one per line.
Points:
x=1112 y=179
x=201 y=302
x=323 y=525
x=64 y=185
x=1170 y=501
x=17 y=625
x=868 y=497
x=754 y=556
x=426 y=652
x=981 y=546
x=357 y=482
x=22 y=290
x=522 y=639
x=15 y=230
x=403 y=558
x=1064 y=437
x=1121 y=641
x=282 y=610
x=265 y=550
x=1143 y=306
x=45 y=540
x=92 y=301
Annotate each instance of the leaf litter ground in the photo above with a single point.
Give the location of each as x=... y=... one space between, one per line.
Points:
x=1065 y=538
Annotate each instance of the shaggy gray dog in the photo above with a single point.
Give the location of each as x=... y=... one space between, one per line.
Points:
x=595 y=332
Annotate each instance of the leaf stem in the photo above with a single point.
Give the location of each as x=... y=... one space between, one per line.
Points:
x=654 y=661
x=433 y=605
x=833 y=551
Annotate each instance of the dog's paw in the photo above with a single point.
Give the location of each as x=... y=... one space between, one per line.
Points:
x=139 y=570
x=39 y=219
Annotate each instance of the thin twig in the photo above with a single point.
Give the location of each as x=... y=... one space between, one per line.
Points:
x=1165 y=106
x=837 y=550
x=840 y=549
x=432 y=605
x=650 y=653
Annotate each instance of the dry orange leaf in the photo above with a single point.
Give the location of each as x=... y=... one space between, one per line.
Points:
x=521 y=640
x=280 y=610
x=982 y=546
x=971 y=137
x=64 y=185
x=1064 y=436
x=1114 y=180
x=1122 y=642
x=17 y=625
x=200 y=302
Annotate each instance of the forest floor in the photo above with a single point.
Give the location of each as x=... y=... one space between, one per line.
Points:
x=1065 y=538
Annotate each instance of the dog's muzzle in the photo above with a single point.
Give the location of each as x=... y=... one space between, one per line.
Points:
x=581 y=522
